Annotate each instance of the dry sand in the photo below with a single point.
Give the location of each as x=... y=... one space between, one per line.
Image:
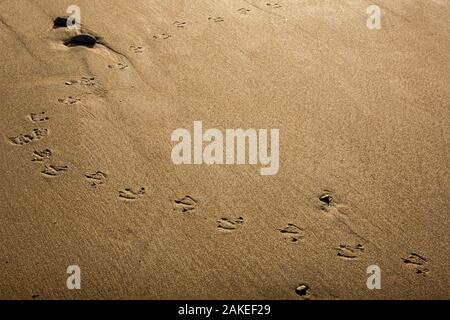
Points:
x=363 y=116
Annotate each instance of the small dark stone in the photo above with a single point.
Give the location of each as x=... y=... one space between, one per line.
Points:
x=302 y=290
x=83 y=40
x=60 y=22
x=326 y=198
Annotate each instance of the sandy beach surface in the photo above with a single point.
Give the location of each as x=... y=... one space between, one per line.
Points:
x=87 y=177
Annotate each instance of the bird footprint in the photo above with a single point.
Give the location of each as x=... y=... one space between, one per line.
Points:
x=69 y=100
x=216 y=19
x=227 y=224
x=349 y=252
x=118 y=66
x=291 y=233
x=41 y=155
x=162 y=36
x=137 y=49
x=23 y=139
x=274 y=5
x=96 y=179
x=53 y=170
x=39 y=117
x=243 y=10
x=185 y=204
x=418 y=262
x=130 y=194
x=87 y=81
x=180 y=24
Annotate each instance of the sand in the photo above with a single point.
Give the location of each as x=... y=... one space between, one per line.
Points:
x=85 y=153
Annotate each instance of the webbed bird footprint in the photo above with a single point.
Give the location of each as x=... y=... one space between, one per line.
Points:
x=96 y=179
x=130 y=194
x=216 y=19
x=69 y=100
x=349 y=252
x=243 y=10
x=292 y=233
x=87 y=81
x=39 y=117
x=137 y=49
x=227 y=224
x=41 y=155
x=118 y=66
x=54 y=170
x=180 y=24
x=162 y=36
x=418 y=262
x=23 y=139
x=274 y=5
x=185 y=204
